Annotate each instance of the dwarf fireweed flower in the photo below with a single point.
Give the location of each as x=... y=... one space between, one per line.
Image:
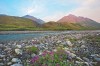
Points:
x=35 y=58
x=44 y=53
x=51 y=53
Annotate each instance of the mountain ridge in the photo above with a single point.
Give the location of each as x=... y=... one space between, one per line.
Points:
x=70 y=22
x=39 y=21
x=86 y=22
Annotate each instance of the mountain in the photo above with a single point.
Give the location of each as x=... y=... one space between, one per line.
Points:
x=62 y=26
x=39 y=21
x=72 y=22
x=3 y=15
x=85 y=22
x=28 y=22
x=14 y=22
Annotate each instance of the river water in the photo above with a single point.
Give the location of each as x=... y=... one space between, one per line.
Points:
x=24 y=36
x=17 y=35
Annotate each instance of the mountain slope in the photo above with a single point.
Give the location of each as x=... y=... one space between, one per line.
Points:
x=85 y=22
x=72 y=22
x=12 y=22
x=62 y=26
x=39 y=21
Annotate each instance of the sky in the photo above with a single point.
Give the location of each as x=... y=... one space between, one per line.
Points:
x=51 y=10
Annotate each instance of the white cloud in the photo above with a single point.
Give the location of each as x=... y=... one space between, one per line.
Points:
x=32 y=7
x=34 y=10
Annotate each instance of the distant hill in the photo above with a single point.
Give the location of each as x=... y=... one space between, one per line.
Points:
x=62 y=26
x=13 y=22
x=39 y=21
x=85 y=22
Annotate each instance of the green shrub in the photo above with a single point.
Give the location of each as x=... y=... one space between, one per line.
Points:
x=33 y=49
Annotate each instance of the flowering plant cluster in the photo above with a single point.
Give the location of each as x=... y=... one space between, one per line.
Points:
x=50 y=58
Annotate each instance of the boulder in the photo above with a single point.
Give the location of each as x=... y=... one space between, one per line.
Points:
x=18 y=51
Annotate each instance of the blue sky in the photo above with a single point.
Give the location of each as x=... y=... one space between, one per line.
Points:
x=51 y=10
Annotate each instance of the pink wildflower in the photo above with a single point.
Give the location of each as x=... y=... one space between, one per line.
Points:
x=34 y=58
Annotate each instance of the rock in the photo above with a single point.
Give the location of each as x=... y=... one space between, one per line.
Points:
x=72 y=55
x=0 y=60
x=86 y=63
x=18 y=51
x=79 y=58
x=83 y=46
x=27 y=46
x=1 y=45
x=69 y=43
x=2 y=56
x=9 y=63
x=86 y=59
x=19 y=46
x=58 y=41
x=40 y=52
x=16 y=60
x=32 y=55
x=1 y=64
x=94 y=55
x=17 y=64
x=97 y=59
x=68 y=52
x=75 y=49
x=65 y=48
x=78 y=62
x=55 y=50
x=8 y=49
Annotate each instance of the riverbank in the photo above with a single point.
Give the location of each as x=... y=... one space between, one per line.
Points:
x=24 y=32
x=19 y=32
x=68 y=48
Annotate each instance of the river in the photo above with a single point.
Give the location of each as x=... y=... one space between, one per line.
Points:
x=27 y=35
